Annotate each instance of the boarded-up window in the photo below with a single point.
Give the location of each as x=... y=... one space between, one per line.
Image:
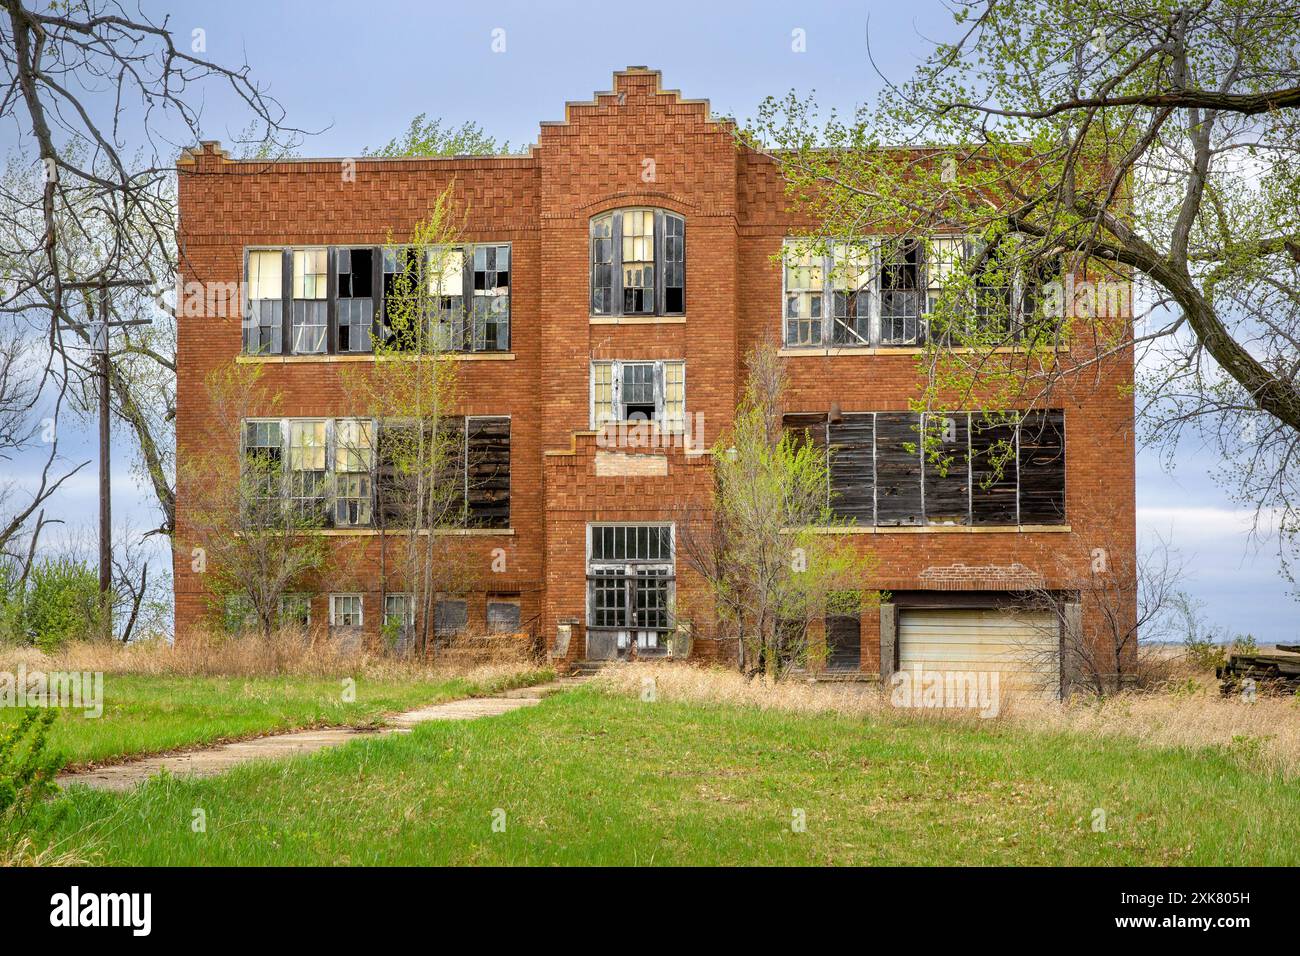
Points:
x=947 y=486
x=806 y=426
x=993 y=470
x=898 y=468
x=488 y=472
x=843 y=641
x=503 y=615
x=853 y=477
x=1042 y=467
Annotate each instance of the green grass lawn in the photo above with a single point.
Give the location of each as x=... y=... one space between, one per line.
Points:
x=153 y=714
x=585 y=778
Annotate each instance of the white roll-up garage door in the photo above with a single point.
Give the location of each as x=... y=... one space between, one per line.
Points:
x=1023 y=647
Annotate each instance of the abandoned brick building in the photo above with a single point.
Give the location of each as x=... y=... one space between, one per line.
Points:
x=618 y=295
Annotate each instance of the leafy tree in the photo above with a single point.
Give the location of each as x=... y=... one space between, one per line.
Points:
x=252 y=545
x=1094 y=143
x=411 y=391
x=429 y=137
x=761 y=548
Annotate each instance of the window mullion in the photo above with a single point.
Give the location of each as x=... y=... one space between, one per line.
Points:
x=286 y=301
x=659 y=262
x=616 y=264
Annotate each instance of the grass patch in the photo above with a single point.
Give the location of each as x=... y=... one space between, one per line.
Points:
x=149 y=714
x=594 y=778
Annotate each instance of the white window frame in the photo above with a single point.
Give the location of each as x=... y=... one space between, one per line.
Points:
x=321 y=301
x=334 y=610
x=618 y=406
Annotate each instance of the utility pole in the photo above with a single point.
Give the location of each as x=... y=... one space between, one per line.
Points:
x=105 y=486
x=101 y=369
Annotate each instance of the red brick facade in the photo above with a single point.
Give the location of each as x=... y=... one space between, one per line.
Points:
x=596 y=159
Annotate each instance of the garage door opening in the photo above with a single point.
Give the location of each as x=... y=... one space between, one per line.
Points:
x=1022 y=648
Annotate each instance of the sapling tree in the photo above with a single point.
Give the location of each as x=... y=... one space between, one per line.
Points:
x=762 y=546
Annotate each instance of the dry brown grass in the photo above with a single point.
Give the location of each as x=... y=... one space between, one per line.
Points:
x=286 y=652
x=22 y=852
x=1264 y=732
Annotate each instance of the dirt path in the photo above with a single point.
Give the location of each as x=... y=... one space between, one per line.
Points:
x=214 y=760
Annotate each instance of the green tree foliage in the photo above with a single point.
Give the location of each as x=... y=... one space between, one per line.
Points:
x=770 y=567
x=1099 y=142
x=429 y=137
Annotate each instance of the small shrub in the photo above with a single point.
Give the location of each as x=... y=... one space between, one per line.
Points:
x=61 y=603
x=1243 y=644
x=1203 y=651
x=27 y=772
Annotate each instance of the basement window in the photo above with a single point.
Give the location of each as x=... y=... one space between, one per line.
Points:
x=264 y=320
x=450 y=616
x=639 y=392
x=295 y=611
x=638 y=263
x=356 y=299
x=503 y=615
x=310 y=304
x=345 y=610
x=852 y=286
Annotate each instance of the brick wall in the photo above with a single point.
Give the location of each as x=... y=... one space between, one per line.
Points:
x=637 y=145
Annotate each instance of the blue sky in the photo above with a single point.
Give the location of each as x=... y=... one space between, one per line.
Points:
x=359 y=72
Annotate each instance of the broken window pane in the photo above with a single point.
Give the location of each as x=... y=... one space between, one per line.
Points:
x=353 y=464
x=263 y=451
x=674 y=265
x=602 y=265
x=491 y=298
x=295 y=611
x=345 y=610
x=263 y=324
x=638 y=391
x=638 y=235
x=803 y=271
x=402 y=300
x=900 y=292
x=852 y=281
x=356 y=303
x=307 y=473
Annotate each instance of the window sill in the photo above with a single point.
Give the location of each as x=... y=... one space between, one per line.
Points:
x=371 y=357
x=373 y=532
x=943 y=529
x=637 y=320
x=794 y=351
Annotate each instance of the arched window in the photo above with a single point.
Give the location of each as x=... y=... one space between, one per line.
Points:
x=638 y=263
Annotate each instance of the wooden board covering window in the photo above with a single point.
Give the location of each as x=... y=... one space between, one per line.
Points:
x=853 y=470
